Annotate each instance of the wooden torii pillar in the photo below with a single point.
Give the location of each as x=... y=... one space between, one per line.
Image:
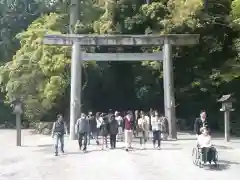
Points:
x=78 y=41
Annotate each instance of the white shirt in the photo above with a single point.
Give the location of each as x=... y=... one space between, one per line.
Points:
x=147 y=118
x=203 y=121
x=144 y=123
x=99 y=122
x=155 y=122
x=119 y=120
x=204 y=141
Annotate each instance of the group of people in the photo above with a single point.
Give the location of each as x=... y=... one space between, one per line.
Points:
x=117 y=126
x=124 y=126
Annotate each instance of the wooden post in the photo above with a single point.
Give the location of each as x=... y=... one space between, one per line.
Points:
x=18 y=128
x=227 y=125
x=76 y=86
x=226 y=101
x=76 y=71
x=18 y=111
x=169 y=98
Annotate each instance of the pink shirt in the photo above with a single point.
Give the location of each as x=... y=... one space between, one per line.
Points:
x=204 y=141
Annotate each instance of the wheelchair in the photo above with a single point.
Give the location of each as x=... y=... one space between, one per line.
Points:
x=197 y=157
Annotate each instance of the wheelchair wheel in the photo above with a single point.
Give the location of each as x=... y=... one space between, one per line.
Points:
x=216 y=156
x=200 y=163
x=216 y=159
x=195 y=156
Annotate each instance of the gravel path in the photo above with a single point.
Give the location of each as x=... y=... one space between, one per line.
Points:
x=35 y=161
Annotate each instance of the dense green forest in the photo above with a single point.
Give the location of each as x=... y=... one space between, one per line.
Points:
x=41 y=74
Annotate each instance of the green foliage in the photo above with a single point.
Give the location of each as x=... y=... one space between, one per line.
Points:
x=14 y=17
x=37 y=73
x=236 y=9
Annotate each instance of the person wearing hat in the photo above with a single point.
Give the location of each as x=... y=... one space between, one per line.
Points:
x=58 y=131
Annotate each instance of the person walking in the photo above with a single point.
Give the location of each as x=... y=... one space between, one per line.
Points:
x=156 y=129
x=104 y=129
x=128 y=130
x=113 y=130
x=201 y=122
x=58 y=131
x=148 y=116
x=94 y=129
x=98 y=124
x=92 y=126
x=82 y=128
x=137 y=116
x=119 y=119
x=143 y=126
x=164 y=128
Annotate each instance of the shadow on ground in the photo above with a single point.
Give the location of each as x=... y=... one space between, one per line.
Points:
x=221 y=166
x=186 y=139
x=9 y=175
x=155 y=149
x=11 y=160
x=50 y=149
x=88 y=151
x=40 y=145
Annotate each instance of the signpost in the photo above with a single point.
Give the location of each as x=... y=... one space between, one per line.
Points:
x=226 y=101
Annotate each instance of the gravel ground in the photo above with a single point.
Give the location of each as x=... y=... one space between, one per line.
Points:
x=35 y=160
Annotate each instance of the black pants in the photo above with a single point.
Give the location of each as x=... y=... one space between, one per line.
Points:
x=209 y=154
x=82 y=137
x=113 y=140
x=89 y=137
x=157 y=137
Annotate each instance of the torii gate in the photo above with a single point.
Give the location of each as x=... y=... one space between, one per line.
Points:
x=78 y=41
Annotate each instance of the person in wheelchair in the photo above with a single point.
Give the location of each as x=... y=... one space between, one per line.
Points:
x=205 y=145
